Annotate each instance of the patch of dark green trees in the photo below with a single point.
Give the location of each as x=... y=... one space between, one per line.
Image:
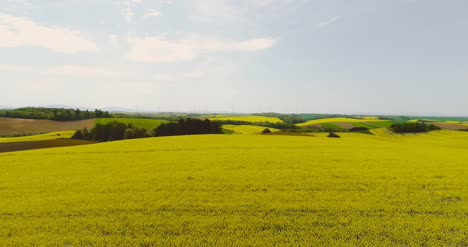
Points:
x=114 y=131
x=56 y=114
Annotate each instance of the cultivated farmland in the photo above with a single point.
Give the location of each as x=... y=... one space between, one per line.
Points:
x=41 y=137
x=248 y=118
x=347 y=123
x=341 y=120
x=247 y=129
x=257 y=190
x=20 y=127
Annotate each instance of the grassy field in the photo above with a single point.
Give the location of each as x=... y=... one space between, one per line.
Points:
x=248 y=118
x=15 y=126
x=256 y=190
x=247 y=129
x=148 y=124
x=42 y=137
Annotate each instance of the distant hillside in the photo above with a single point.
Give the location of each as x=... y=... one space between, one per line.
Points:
x=245 y=118
x=57 y=114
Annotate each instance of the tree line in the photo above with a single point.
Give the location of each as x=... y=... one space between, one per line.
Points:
x=410 y=127
x=56 y=114
x=188 y=126
x=114 y=131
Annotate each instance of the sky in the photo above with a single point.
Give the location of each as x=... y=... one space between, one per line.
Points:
x=289 y=56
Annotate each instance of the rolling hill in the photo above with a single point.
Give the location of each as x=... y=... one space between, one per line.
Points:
x=240 y=190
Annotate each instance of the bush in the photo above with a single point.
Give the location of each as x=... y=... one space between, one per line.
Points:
x=333 y=135
x=266 y=131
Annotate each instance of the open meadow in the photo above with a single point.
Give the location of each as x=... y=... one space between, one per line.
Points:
x=256 y=190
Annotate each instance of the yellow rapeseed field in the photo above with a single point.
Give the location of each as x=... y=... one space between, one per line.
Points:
x=340 y=120
x=247 y=118
x=42 y=137
x=231 y=190
x=247 y=129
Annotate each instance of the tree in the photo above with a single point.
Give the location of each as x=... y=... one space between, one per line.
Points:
x=266 y=131
x=78 y=135
x=136 y=133
x=333 y=135
x=77 y=114
x=116 y=131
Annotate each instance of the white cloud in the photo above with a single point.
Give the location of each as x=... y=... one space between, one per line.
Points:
x=21 y=31
x=235 y=11
x=162 y=49
x=152 y=13
x=328 y=22
x=217 y=11
x=263 y=2
x=78 y=71
x=127 y=7
x=178 y=77
x=113 y=40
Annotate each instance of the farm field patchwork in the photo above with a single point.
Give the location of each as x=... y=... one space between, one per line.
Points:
x=450 y=125
x=15 y=126
x=41 y=137
x=251 y=119
x=252 y=190
x=341 y=120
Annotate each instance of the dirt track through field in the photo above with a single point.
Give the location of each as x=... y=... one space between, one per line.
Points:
x=15 y=126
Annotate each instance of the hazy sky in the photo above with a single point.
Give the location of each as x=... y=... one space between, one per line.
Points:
x=348 y=56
